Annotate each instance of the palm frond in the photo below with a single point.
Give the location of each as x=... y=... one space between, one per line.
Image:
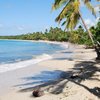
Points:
x=64 y=12
x=69 y=16
x=74 y=16
x=98 y=0
x=58 y=3
x=85 y=1
x=90 y=7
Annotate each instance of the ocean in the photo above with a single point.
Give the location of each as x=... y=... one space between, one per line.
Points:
x=16 y=54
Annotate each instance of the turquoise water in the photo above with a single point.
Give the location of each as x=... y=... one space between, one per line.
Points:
x=14 y=51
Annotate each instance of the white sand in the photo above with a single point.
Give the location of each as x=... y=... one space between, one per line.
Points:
x=18 y=84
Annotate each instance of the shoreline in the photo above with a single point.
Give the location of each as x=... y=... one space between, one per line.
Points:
x=38 y=69
x=64 y=44
x=43 y=57
x=20 y=83
x=45 y=41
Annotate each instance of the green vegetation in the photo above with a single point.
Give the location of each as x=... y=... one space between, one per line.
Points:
x=70 y=15
x=78 y=36
x=54 y=34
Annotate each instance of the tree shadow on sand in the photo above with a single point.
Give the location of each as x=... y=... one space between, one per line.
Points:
x=57 y=80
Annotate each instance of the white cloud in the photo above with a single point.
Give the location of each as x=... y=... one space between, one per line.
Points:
x=97 y=9
x=82 y=4
x=89 y=23
x=97 y=19
x=21 y=27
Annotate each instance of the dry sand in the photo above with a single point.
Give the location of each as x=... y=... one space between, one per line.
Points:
x=85 y=85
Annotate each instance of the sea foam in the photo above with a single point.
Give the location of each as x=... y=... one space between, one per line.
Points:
x=22 y=64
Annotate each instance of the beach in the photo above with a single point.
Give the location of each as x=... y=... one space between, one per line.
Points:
x=69 y=75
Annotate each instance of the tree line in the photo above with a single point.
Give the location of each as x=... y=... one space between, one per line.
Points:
x=78 y=36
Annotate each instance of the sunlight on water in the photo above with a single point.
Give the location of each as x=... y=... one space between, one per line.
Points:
x=17 y=54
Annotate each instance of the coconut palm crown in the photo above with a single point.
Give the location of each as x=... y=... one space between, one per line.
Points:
x=70 y=14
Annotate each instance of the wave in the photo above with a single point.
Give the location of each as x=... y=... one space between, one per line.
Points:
x=22 y=64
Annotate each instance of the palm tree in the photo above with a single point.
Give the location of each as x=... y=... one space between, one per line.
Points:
x=71 y=15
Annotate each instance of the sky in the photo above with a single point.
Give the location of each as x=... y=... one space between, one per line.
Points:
x=25 y=16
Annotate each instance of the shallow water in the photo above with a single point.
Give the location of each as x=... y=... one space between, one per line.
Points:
x=18 y=54
x=13 y=51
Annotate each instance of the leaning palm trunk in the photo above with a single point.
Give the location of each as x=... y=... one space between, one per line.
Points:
x=72 y=15
x=89 y=32
x=97 y=47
